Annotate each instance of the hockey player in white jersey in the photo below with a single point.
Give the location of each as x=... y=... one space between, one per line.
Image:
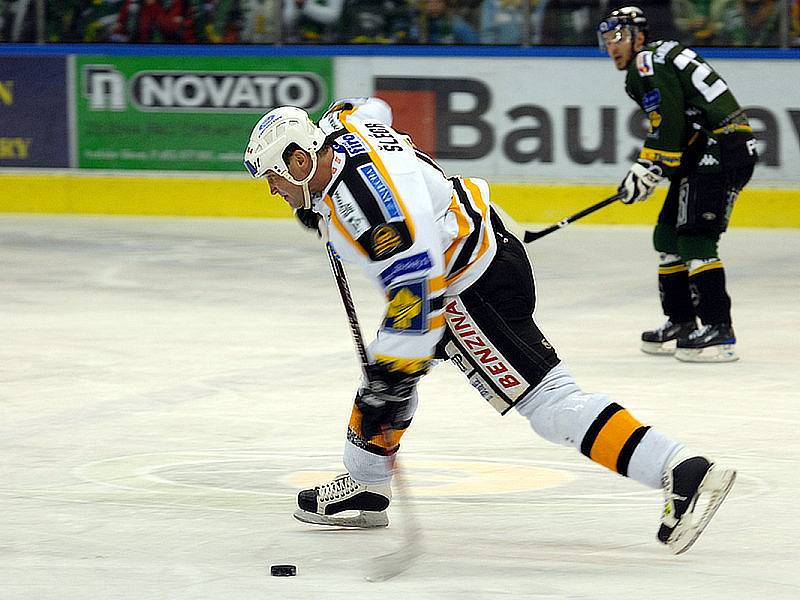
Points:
x=459 y=287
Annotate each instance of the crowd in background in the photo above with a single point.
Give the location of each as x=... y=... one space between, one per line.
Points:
x=767 y=23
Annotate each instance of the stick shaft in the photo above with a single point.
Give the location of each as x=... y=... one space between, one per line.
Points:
x=530 y=236
x=340 y=277
x=393 y=563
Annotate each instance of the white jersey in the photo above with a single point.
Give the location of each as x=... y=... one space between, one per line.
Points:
x=419 y=235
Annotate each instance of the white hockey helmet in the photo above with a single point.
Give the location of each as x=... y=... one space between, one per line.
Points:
x=273 y=135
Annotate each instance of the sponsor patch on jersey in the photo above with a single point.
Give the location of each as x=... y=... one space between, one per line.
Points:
x=655 y=120
x=350 y=214
x=482 y=353
x=382 y=190
x=407 y=311
x=651 y=100
x=352 y=144
x=385 y=240
x=418 y=263
x=644 y=64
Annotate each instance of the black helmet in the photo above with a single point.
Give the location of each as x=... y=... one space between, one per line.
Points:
x=627 y=17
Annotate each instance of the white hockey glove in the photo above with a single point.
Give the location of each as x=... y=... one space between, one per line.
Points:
x=640 y=182
x=383 y=400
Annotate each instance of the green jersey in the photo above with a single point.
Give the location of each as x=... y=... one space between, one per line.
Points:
x=687 y=103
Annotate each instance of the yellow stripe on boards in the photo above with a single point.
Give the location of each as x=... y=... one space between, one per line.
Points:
x=232 y=196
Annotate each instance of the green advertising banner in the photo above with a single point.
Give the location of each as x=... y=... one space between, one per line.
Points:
x=181 y=113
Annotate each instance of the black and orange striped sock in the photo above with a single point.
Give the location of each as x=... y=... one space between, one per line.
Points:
x=612 y=438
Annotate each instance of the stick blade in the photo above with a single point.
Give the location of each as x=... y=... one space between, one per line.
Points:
x=530 y=236
x=387 y=566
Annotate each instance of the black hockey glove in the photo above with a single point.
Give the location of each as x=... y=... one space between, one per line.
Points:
x=384 y=399
x=308 y=218
x=640 y=182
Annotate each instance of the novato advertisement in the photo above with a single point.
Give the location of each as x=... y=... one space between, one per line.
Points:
x=185 y=113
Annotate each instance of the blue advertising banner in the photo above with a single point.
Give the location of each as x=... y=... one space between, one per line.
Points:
x=33 y=111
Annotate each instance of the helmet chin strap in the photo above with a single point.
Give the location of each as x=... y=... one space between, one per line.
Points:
x=304 y=183
x=306 y=197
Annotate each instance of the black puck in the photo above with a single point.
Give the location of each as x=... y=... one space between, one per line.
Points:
x=283 y=570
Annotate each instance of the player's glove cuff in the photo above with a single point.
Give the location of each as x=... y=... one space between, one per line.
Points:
x=309 y=219
x=640 y=182
x=384 y=399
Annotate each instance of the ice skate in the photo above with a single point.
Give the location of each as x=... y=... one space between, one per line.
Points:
x=710 y=343
x=364 y=505
x=661 y=341
x=694 y=487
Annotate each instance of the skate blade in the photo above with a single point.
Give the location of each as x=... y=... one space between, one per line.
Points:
x=722 y=353
x=362 y=520
x=658 y=348
x=713 y=490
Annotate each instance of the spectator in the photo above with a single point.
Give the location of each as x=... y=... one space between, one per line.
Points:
x=17 y=21
x=375 y=21
x=97 y=20
x=312 y=20
x=219 y=21
x=151 y=21
x=437 y=23
x=261 y=21
x=794 y=24
x=565 y=22
x=752 y=23
x=700 y=22
x=503 y=21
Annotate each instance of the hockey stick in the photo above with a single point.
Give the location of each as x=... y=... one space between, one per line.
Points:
x=393 y=563
x=535 y=235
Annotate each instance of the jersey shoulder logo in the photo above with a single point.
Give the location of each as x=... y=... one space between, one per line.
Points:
x=644 y=64
x=352 y=143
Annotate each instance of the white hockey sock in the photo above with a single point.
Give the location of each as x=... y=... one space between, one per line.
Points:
x=650 y=458
x=364 y=466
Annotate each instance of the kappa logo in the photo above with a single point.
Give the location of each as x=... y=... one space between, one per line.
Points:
x=708 y=161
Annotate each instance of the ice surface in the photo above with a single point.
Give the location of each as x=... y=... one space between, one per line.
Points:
x=168 y=385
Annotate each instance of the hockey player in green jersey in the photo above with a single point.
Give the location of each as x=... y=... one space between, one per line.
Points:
x=701 y=142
